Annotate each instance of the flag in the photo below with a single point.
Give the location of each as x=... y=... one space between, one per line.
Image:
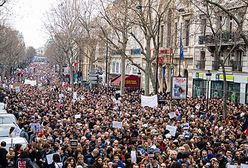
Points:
x=181 y=49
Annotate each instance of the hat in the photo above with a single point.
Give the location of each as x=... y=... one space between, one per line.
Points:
x=214 y=159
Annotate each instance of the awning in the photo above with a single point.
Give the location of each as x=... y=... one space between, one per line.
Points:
x=131 y=81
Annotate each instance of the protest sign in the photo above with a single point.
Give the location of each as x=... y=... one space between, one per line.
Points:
x=17 y=131
x=150 y=101
x=74 y=95
x=185 y=126
x=77 y=116
x=172 y=129
x=49 y=158
x=117 y=124
x=35 y=127
x=172 y=115
x=133 y=157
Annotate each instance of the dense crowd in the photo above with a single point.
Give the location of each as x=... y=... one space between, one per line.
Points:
x=79 y=131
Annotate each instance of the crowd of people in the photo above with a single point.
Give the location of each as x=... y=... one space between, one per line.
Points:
x=76 y=129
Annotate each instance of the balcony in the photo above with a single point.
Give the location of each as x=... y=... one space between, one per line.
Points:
x=237 y=66
x=200 y=64
x=224 y=37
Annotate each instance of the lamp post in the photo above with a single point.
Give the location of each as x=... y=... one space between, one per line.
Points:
x=157 y=47
x=208 y=76
x=139 y=74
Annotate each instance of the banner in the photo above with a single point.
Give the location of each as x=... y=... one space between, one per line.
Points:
x=179 y=88
x=150 y=101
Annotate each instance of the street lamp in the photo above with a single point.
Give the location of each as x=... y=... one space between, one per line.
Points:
x=208 y=76
x=139 y=74
x=157 y=48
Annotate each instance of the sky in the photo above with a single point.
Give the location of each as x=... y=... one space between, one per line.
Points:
x=28 y=17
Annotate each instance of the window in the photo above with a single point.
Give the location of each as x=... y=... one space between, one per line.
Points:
x=187 y=31
x=135 y=51
x=169 y=33
x=117 y=68
x=113 y=67
x=203 y=26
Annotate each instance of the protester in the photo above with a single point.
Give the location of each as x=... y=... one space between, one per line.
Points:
x=3 y=154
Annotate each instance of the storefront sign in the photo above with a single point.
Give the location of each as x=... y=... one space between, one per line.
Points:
x=198 y=75
x=228 y=77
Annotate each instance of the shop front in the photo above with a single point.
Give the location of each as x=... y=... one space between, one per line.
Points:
x=199 y=86
x=246 y=94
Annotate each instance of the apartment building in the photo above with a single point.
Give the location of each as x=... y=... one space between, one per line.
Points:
x=232 y=53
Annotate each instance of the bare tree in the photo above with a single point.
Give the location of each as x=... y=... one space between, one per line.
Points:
x=2 y=2
x=63 y=27
x=119 y=23
x=55 y=55
x=12 y=52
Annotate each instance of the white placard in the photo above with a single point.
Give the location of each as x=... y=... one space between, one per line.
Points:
x=74 y=95
x=77 y=116
x=243 y=165
x=172 y=129
x=49 y=158
x=117 y=124
x=231 y=166
x=150 y=101
x=133 y=157
x=185 y=126
x=172 y=115
x=33 y=83
x=17 y=89
x=61 y=96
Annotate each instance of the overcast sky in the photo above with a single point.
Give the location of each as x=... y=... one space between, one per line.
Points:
x=28 y=16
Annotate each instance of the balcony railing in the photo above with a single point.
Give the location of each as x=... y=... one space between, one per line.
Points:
x=224 y=37
x=237 y=66
x=200 y=64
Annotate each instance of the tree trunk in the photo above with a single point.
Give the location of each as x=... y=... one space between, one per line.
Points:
x=147 y=77
x=224 y=92
x=123 y=62
x=71 y=74
x=148 y=69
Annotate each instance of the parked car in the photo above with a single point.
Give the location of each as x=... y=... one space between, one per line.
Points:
x=3 y=111
x=5 y=129
x=11 y=142
x=7 y=118
x=2 y=106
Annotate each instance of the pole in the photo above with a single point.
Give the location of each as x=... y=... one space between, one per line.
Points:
x=207 y=93
x=157 y=50
x=106 y=66
x=179 y=55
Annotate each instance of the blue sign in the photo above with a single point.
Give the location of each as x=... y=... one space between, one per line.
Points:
x=217 y=76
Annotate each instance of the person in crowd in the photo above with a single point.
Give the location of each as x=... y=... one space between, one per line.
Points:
x=3 y=154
